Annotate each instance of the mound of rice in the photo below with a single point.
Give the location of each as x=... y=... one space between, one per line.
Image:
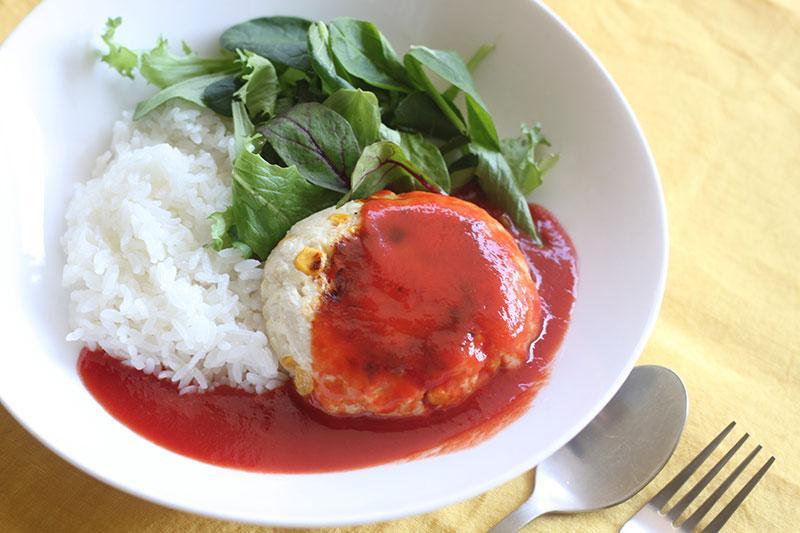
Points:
x=144 y=285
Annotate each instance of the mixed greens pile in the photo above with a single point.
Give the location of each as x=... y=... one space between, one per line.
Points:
x=325 y=113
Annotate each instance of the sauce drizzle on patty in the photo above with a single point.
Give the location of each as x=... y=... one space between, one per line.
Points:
x=428 y=300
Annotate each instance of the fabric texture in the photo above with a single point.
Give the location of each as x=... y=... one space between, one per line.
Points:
x=716 y=86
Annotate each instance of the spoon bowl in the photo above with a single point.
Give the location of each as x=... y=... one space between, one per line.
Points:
x=616 y=455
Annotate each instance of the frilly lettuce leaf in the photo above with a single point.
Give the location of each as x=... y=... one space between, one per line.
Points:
x=122 y=59
x=159 y=66
x=524 y=156
x=162 y=68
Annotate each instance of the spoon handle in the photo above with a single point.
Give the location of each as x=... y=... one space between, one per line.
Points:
x=524 y=514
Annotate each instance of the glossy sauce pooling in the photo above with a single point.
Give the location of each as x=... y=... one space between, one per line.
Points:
x=277 y=432
x=427 y=300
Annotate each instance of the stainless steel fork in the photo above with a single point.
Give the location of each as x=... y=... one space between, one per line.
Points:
x=651 y=519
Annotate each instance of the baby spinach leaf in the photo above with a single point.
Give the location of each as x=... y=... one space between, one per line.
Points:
x=481 y=125
x=366 y=54
x=318 y=140
x=460 y=178
x=271 y=156
x=122 y=59
x=424 y=154
x=421 y=80
x=419 y=112
x=322 y=60
x=473 y=62
x=449 y=66
x=388 y=134
x=290 y=77
x=218 y=95
x=381 y=164
x=497 y=181
x=191 y=90
x=282 y=40
x=268 y=200
x=522 y=157
x=261 y=86
x=462 y=170
x=427 y=157
x=360 y=109
x=162 y=68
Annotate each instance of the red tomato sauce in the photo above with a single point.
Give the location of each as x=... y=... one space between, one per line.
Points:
x=280 y=432
x=425 y=303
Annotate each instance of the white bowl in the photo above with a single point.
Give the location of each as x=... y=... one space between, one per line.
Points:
x=58 y=103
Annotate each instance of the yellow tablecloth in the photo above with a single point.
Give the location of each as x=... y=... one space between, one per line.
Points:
x=716 y=86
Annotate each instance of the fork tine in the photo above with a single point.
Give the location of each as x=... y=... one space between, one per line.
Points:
x=689 y=497
x=737 y=500
x=690 y=523
x=669 y=490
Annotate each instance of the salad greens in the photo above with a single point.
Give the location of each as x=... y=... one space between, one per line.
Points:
x=384 y=163
x=328 y=112
x=318 y=140
x=281 y=40
x=361 y=110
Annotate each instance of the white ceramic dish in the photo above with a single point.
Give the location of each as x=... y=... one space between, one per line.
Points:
x=57 y=104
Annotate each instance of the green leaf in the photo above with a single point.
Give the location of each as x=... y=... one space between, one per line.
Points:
x=282 y=40
x=244 y=249
x=497 y=180
x=360 y=109
x=243 y=129
x=219 y=94
x=481 y=125
x=162 y=68
x=261 y=86
x=261 y=91
x=366 y=54
x=271 y=156
x=421 y=80
x=159 y=66
x=522 y=157
x=449 y=66
x=123 y=59
x=290 y=77
x=322 y=60
x=462 y=171
x=419 y=112
x=221 y=224
x=426 y=156
x=190 y=90
x=388 y=134
x=381 y=164
x=318 y=140
x=268 y=200
x=473 y=62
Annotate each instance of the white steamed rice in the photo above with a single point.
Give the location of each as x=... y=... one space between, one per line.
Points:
x=144 y=285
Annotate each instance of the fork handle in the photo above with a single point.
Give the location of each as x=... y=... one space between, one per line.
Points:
x=525 y=513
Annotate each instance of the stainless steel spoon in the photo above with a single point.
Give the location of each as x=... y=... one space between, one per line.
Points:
x=616 y=455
